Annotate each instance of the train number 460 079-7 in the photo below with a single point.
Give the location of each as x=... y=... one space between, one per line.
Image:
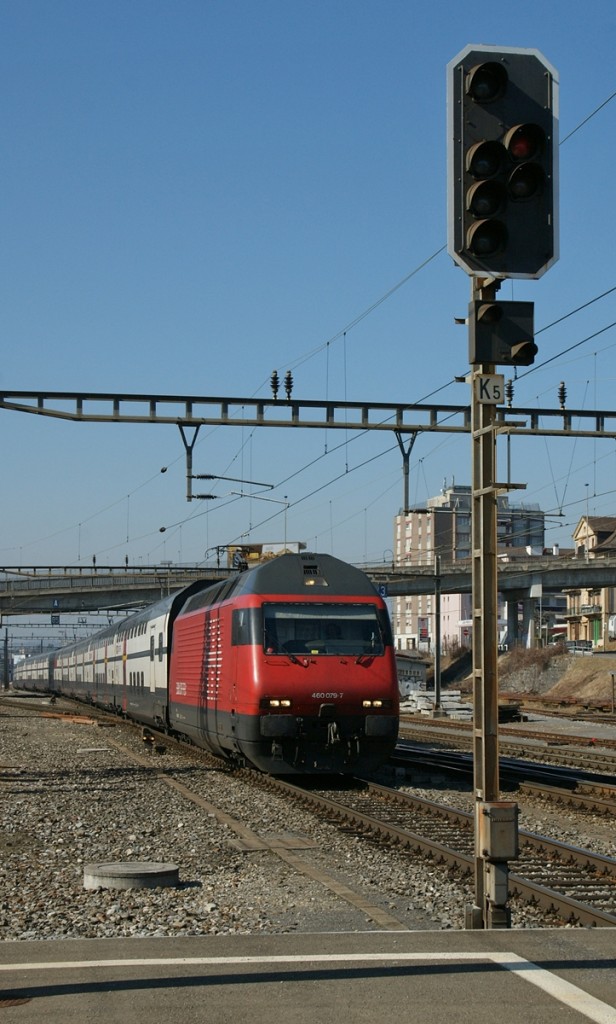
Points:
x=327 y=696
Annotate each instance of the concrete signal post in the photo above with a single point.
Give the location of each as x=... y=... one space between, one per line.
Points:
x=502 y=222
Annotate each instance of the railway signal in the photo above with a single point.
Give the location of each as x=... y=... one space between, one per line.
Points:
x=501 y=333
x=502 y=162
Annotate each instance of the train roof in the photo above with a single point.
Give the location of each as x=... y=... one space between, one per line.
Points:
x=171 y=604
x=303 y=574
x=299 y=575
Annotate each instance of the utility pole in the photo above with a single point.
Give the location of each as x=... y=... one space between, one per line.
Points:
x=5 y=680
x=495 y=821
x=437 y=636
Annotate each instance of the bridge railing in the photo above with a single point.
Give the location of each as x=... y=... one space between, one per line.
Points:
x=58 y=579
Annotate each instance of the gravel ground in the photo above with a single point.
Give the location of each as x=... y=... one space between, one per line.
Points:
x=71 y=799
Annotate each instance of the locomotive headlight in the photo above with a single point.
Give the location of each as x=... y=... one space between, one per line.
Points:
x=275 y=702
x=377 y=703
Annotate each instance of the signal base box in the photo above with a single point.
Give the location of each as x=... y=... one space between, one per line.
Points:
x=497 y=830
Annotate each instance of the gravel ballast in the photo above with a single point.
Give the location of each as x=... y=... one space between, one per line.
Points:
x=72 y=798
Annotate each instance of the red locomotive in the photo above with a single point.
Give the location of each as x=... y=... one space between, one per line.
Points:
x=289 y=666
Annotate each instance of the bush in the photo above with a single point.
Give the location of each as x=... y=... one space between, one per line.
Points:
x=538 y=658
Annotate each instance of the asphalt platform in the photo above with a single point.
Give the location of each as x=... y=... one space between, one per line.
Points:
x=552 y=976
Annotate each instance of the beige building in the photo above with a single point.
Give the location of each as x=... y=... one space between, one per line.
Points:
x=591 y=611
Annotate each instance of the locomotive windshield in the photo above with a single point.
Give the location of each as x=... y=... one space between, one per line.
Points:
x=352 y=629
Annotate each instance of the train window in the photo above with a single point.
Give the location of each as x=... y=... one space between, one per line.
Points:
x=160 y=646
x=332 y=628
x=228 y=588
x=246 y=626
x=204 y=599
x=385 y=626
x=152 y=642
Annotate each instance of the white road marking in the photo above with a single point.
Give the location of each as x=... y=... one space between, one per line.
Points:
x=570 y=995
x=592 y=1008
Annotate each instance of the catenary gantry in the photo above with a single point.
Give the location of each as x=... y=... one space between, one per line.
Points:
x=405 y=418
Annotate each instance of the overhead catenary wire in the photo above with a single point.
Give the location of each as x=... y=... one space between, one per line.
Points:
x=375 y=305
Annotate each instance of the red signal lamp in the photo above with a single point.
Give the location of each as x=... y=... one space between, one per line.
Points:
x=525 y=141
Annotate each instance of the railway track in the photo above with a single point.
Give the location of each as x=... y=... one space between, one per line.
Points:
x=570 y=885
x=543 y=747
x=421 y=758
x=583 y=800
x=454 y=726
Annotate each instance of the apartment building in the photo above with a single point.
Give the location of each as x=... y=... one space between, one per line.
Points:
x=443 y=527
x=591 y=611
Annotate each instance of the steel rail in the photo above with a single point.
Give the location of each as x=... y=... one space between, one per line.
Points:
x=552 y=901
x=556 y=903
x=570 y=798
x=537 y=764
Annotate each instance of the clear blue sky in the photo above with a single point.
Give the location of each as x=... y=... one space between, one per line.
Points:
x=196 y=193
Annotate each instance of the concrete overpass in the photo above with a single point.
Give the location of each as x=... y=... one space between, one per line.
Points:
x=56 y=589
x=525 y=581
x=49 y=589
x=554 y=573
